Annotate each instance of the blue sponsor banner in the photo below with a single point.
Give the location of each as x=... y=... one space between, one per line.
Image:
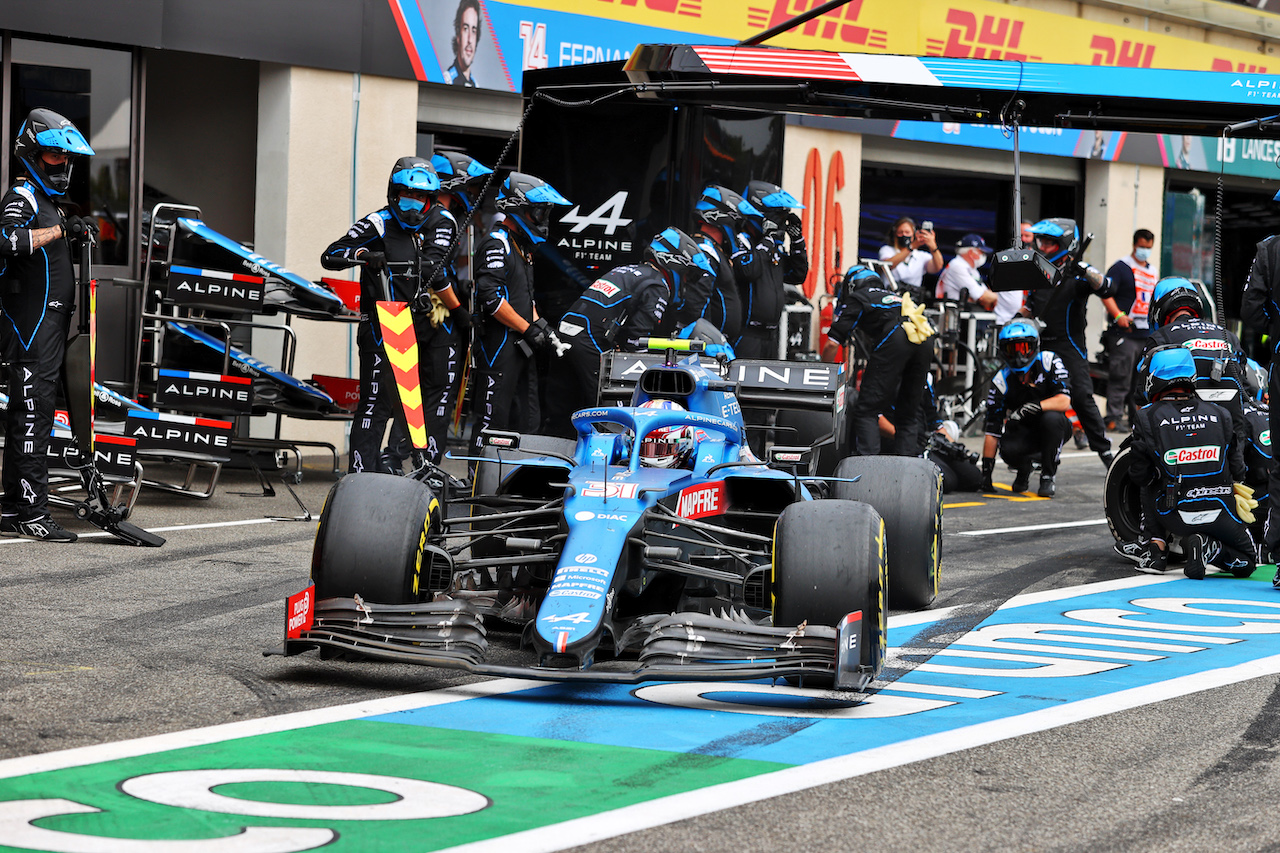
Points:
x=1041 y=654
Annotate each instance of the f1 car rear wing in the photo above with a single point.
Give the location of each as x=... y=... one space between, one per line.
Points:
x=816 y=386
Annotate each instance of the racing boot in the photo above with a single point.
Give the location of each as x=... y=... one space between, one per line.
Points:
x=1147 y=557
x=44 y=529
x=1107 y=458
x=1198 y=556
x=1047 y=486
x=1021 y=480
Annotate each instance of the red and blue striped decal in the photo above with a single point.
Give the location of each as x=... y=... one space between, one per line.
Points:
x=183 y=419
x=225 y=276
x=207 y=377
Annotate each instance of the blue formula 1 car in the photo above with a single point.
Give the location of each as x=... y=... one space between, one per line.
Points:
x=612 y=568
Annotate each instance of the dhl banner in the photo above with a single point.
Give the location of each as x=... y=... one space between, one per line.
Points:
x=490 y=43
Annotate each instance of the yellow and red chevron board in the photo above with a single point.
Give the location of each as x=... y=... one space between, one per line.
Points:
x=401 y=347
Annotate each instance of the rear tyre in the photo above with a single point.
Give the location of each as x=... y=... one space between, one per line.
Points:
x=1122 y=498
x=819 y=578
x=907 y=492
x=372 y=532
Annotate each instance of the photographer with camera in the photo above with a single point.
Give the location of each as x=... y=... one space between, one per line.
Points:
x=911 y=254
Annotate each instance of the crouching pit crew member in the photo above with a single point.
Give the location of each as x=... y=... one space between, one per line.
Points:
x=407 y=238
x=1026 y=410
x=506 y=389
x=1191 y=470
x=899 y=340
x=37 y=295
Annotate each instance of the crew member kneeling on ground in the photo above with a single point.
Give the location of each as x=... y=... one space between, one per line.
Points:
x=900 y=344
x=1191 y=470
x=623 y=306
x=38 y=289
x=1026 y=410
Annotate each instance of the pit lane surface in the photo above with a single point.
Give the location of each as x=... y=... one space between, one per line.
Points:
x=105 y=642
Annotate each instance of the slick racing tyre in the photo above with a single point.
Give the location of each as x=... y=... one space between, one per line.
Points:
x=372 y=533
x=907 y=492
x=819 y=578
x=490 y=477
x=1122 y=498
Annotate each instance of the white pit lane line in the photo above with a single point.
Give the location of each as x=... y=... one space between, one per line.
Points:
x=1032 y=527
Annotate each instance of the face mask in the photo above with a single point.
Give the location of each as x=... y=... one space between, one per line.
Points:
x=904 y=240
x=411 y=205
x=1143 y=254
x=982 y=259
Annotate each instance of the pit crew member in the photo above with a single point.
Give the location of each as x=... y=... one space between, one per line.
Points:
x=37 y=296
x=721 y=215
x=506 y=390
x=623 y=306
x=1062 y=311
x=897 y=364
x=1191 y=471
x=779 y=250
x=1026 y=410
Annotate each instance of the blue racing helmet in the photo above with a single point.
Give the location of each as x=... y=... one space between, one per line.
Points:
x=1166 y=368
x=859 y=276
x=771 y=200
x=529 y=201
x=1059 y=230
x=674 y=252
x=722 y=206
x=1019 y=343
x=416 y=174
x=1173 y=294
x=460 y=174
x=45 y=131
x=1255 y=379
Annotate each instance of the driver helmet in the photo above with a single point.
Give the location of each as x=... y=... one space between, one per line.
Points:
x=528 y=201
x=416 y=175
x=460 y=175
x=666 y=447
x=1019 y=342
x=1167 y=368
x=1054 y=238
x=44 y=131
x=1173 y=294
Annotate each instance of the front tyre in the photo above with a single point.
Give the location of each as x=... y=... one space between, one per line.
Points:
x=371 y=537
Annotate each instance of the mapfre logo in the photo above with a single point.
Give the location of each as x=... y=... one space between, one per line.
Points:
x=700 y=501
x=1190 y=455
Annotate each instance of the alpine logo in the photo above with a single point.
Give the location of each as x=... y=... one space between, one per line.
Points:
x=1190 y=455
x=608 y=215
x=701 y=501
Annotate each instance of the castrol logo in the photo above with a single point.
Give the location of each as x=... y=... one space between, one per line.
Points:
x=1189 y=455
x=1208 y=344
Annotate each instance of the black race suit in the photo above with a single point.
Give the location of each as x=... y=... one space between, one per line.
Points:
x=1062 y=310
x=763 y=298
x=37 y=296
x=1186 y=457
x=1031 y=437
x=1260 y=309
x=895 y=374
x=724 y=308
x=624 y=305
x=505 y=391
x=409 y=255
x=1219 y=362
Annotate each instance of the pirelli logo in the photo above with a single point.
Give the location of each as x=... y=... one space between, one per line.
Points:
x=1191 y=455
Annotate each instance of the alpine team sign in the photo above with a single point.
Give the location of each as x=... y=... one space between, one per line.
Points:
x=216 y=289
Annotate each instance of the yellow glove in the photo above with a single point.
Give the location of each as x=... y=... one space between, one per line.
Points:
x=918 y=328
x=1245 y=504
x=438 y=311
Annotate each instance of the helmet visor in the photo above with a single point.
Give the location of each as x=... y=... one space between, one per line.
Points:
x=1018 y=352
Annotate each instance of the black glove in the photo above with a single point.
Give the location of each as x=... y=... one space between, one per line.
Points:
x=1026 y=410
x=374 y=260
x=988 y=468
x=770 y=229
x=793 y=229
x=538 y=335
x=461 y=318
x=78 y=228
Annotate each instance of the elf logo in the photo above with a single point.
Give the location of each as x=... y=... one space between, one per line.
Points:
x=700 y=501
x=1189 y=455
